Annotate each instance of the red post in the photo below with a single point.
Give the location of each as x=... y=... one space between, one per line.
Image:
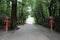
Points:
x=51 y=23
x=6 y=24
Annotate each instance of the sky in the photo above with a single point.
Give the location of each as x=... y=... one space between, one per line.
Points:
x=30 y=20
x=20 y=0
x=17 y=0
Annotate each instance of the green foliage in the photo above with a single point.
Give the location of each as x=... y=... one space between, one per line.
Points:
x=40 y=9
x=3 y=10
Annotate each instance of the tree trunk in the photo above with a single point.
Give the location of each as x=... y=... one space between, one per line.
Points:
x=14 y=14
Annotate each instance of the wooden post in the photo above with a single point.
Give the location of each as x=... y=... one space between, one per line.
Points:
x=51 y=23
x=6 y=24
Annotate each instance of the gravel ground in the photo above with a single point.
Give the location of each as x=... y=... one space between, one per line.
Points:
x=51 y=35
x=29 y=32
